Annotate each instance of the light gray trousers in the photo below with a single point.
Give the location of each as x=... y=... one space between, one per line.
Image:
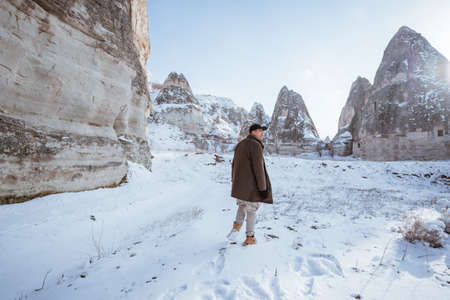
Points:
x=247 y=208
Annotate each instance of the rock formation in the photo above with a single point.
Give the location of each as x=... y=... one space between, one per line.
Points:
x=175 y=90
x=74 y=94
x=291 y=130
x=405 y=114
x=256 y=115
x=177 y=80
x=349 y=119
x=208 y=122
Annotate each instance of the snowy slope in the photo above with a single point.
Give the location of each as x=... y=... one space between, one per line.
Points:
x=206 y=122
x=224 y=117
x=329 y=235
x=168 y=137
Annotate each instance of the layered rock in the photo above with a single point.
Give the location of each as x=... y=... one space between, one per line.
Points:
x=207 y=122
x=256 y=115
x=405 y=114
x=291 y=130
x=74 y=94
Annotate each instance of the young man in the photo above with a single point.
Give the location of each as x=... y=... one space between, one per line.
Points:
x=250 y=181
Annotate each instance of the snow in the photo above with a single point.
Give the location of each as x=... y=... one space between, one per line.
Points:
x=211 y=100
x=123 y=138
x=405 y=62
x=331 y=234
x=344 y=136
x=307 y=133
x=183 y=106
x=217 y=116
x=345 y=126
x=168 y=137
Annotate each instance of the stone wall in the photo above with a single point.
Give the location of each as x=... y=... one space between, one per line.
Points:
x=308 y=146
x=417 y=145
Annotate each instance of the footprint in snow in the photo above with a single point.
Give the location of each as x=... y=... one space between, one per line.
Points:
x=215 y=265
x=318 y=264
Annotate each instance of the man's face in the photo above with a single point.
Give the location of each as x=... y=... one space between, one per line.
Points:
x=258 y=133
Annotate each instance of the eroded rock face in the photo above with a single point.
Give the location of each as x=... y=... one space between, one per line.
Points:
x=256 y=115
x=349 y=120
x=175 y=90
x=139 y=23
x=208 y=122
x=291 y=130
x=176 y=105
x=410 y=56
x=74 y=94
x=177 y=80
x=406 y=112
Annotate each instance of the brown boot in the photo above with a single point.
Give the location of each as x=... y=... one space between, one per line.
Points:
x=237 y=226
x=250 y=240
x=234 y=231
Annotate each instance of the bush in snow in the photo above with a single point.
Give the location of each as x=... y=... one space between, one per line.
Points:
x=424 y=225
x=443 y=206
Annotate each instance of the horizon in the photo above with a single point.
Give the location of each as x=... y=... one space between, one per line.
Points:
x=217 y=48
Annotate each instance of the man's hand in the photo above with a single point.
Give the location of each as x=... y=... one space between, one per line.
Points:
x=264 y=194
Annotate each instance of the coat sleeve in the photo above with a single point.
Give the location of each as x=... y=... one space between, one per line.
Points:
x=232 y=167
x=232 y=162
x=257 y=162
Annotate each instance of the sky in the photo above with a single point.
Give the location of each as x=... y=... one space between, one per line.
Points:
x=248 y=50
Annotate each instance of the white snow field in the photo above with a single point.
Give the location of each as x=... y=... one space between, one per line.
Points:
x=331 y=234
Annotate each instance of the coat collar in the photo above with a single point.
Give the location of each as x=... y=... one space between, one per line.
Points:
x=250 y=136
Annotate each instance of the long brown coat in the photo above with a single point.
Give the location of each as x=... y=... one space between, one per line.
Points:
x=248 y=171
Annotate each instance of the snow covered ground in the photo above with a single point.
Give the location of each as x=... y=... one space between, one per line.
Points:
x=330 y=235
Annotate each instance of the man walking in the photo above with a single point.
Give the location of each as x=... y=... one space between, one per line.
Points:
x=250 y=181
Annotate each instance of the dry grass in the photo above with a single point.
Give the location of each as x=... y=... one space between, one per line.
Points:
x=413 y=229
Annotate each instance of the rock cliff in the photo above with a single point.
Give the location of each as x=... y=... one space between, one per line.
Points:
x=405 y=113
x=74 y=94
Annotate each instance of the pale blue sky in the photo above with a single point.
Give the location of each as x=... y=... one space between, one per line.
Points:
x=247 y=50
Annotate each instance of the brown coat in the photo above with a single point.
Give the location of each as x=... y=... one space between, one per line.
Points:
x=248 y=171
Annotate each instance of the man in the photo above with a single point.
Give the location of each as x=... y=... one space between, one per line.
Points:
x=250 y=181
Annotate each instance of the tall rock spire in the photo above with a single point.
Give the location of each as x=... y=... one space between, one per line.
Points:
x=291 y=130
x=256 y=115
x=409 y=55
